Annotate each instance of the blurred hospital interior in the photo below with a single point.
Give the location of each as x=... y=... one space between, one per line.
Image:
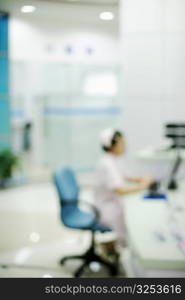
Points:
x=68 y=70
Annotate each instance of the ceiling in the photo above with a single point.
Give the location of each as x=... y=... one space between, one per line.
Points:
x=86 y=2
x=13 y=5
x=79 y=10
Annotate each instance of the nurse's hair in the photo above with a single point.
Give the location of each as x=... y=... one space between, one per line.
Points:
x=113 y=141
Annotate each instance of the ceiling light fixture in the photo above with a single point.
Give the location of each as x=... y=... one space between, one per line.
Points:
x=28 y=9
x=106 y=16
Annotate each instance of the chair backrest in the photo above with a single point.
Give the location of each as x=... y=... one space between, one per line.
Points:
x=66 y=185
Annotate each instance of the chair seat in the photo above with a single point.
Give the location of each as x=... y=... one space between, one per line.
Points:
x=74 y=217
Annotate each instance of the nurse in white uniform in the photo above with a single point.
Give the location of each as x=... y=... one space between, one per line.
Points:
x=111 y=185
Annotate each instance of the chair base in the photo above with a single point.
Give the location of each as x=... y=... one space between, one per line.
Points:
x=90 y=256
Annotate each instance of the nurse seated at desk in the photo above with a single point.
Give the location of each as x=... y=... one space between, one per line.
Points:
x=111 y=185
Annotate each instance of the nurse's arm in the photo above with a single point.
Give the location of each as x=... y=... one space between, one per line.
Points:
x=134 y=179
x=140 y=179
x=131 y=189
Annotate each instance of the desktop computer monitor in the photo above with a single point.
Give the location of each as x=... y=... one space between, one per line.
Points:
x=176 y=132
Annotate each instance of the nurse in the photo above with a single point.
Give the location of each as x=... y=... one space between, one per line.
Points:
x=111 y=185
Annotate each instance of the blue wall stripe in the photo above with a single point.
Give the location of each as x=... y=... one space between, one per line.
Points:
x=3 y=32
x=4 y=75
x=4 y=117
x=76 y=111
x=4 y=84
x=19 y=113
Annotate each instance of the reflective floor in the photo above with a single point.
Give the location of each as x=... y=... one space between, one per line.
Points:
x=33 y=239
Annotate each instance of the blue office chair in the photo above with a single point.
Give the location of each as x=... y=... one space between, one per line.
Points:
x=73 y=217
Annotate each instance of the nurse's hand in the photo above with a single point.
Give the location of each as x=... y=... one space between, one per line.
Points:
x=132 y=189
x=146 y=182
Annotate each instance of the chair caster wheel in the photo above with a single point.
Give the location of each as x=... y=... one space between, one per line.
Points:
x=114 y=271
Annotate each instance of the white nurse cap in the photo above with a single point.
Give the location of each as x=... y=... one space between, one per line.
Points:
x=106 y=136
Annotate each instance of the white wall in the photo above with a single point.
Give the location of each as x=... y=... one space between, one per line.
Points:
x=42 y=39
x=152 y=51
x=30 y=39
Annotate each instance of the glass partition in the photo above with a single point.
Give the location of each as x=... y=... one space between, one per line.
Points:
x=72 y=103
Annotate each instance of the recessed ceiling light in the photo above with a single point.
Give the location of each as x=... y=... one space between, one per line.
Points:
x=106 y=16
x=28 y=9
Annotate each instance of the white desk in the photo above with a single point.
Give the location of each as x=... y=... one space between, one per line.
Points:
x=149 y=254
x=156 y=154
